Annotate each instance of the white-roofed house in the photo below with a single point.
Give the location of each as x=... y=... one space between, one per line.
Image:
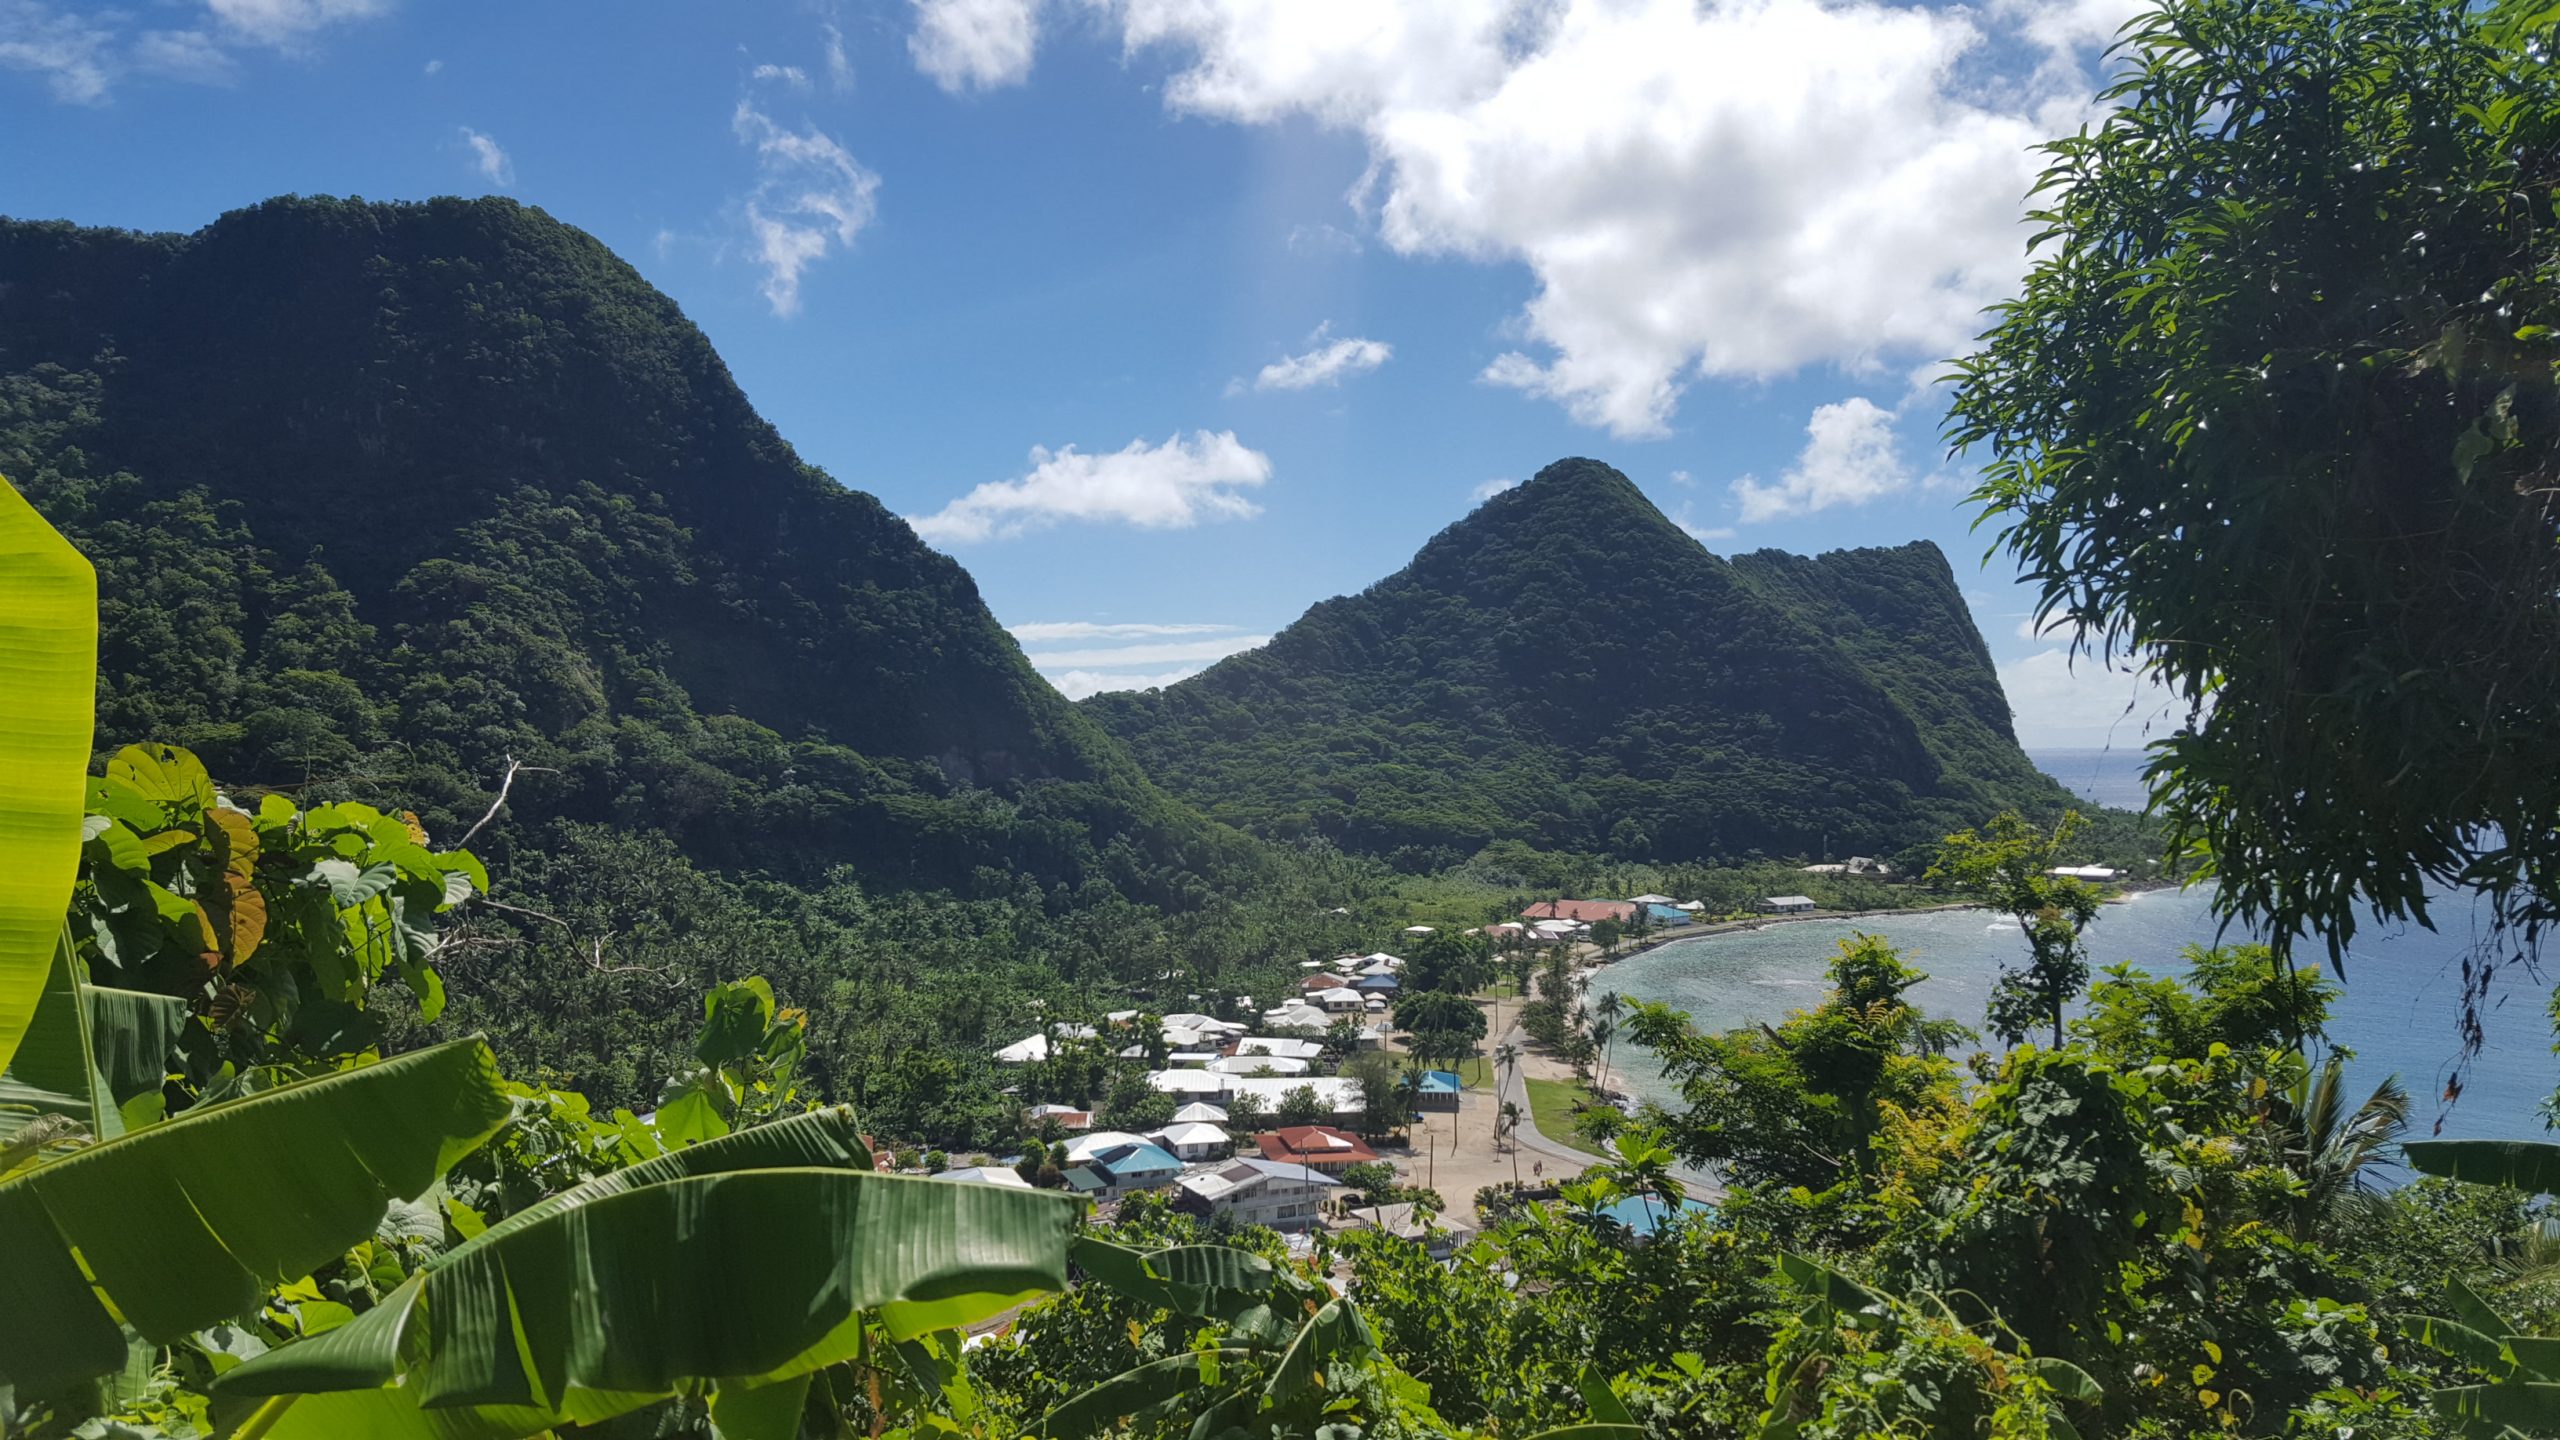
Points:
x=1197 y=1140
x=1337 y=1095
x=1258 y=1192
x=1290 y=1046
x=1341 y=999
x=1259 y=1064
x=1787 y=904
x=1198 y=1083
x=1189 y=1020
x=1085 y=1147
x=1200 y=1112
x=1029 y=1050
x=1296 y=1015
x=1648 y=899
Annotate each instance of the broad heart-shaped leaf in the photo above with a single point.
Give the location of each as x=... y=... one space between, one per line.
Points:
x=190 y=1222
x=48 y=695
x=2532 y=1166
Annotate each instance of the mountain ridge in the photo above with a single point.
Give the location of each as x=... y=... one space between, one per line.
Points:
x=1631 y=692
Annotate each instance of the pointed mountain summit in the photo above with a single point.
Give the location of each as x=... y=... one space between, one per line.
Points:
x=1566 y=666
x=382 y=496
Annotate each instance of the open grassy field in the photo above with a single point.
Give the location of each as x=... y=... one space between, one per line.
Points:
x=1551 y=1105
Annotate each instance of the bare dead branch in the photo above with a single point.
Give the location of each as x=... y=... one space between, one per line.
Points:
x=506 y=783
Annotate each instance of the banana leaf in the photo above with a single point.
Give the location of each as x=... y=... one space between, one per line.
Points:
x=54 y=1073
x=735 y=1267
x=2532 y=1166
x=191 y=1222
x=1137 y=1391
x=48 y=689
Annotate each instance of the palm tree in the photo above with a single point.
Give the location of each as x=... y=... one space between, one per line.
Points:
x=2327 y=1146
x=1611 y=1007
x=1508 y=1129
x=1645 y=1158
x=1604 y=1033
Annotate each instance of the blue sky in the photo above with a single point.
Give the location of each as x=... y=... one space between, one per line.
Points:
x=1171 y=317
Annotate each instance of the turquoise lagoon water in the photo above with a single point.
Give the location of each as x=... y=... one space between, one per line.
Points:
x=2397 y=1013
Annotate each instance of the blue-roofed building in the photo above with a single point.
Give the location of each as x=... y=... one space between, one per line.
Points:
x=1135 y=1167
x=1667 y=915
x=1377 y=985
x=1439 y=1090
x=1644 y=1215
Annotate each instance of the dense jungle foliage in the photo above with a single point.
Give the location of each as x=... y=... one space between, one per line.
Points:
x=1566 y=667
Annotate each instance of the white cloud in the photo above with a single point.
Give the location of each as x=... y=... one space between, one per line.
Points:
x=1491 y=488
x=1322 y=239
x=1703 y=534
x=811 y=198
x=1683 y=479
x=1077 y=684
x=1326 y=364
x=83 y=50
x=434 y=66
x=791 y=75
x=1171 y=486
x=1040 y=631
x=74 y=55
x=489 y=158
x=839 y=68
x=287 y=24
x=2027 y=629
x=1718 y=189
x=975 y=44
x=2059 y=703
x=1848 y=459
x=1160 y=654
x=184 y=55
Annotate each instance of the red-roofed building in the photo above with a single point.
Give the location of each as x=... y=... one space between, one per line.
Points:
x=1585 y=912
x=1318 y=1147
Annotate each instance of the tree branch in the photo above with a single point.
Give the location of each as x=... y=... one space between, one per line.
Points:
x=506 y=783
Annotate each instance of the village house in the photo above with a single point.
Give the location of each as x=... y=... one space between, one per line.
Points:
x=1289 y=1046
x=1068 y=1117
x=1440 y=1236
x=1200 y=1112
x=998 y=1175
x=1270 y=1193
x=1440 y=1090
x=1196 y=1141
x=1341 y=999
x=1259 y=1065
x=1318 y=1147
x=1123 y=1169
x=1787 y=904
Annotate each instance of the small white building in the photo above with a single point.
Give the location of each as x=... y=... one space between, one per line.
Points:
x=1649 y=900
x=1338 y=1095
x=1296 y=1015
x=1259 y=1065
x=1200 y=1112
x=1029 y=1050
x=1787 y=904
x=1294 y=1049
x=1418 y=930
x=1340 y=1000
x=1198 y=1140
x=1199 y=1083
x=2099 y=873
x=1258 y=1192
x=1191 y=1057
x=1085 y=1147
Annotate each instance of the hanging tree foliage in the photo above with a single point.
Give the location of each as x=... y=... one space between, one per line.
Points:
x=2275 y=417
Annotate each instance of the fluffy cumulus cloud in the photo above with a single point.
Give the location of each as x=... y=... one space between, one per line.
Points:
x=1699 y=188
x=1848 y=459
x=2061 y=702
x=791 y=75
x=811 y=198
x=1171 y=486
x=1324 y=365
x=1128 y=656
x=489 y=158
x=1491 y=488
x=966 y=45
x=82 y=51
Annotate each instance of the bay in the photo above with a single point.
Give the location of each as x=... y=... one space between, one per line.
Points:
x=2398 y=1011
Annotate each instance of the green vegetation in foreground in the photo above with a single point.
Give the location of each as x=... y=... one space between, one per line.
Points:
x=2161 y=1218
x=1554 y=1107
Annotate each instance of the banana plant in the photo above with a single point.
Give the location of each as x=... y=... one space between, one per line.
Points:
x=48 y=685
x=733 y=1270
x=2522 y=1394
x=193 y=1221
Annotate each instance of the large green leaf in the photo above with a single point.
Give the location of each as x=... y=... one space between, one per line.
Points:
x=367 y=1352
x=1137 y=1391
x=1336 y=1329
x=48 y=689
x=54 y=1072
x=191 y=1222
x=2532 y=1406
x=2532 y=1166
x=712 y=1268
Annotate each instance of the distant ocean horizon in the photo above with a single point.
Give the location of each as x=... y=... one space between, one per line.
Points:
x=2397 y=1011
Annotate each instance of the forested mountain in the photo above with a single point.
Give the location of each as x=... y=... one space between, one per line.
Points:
x=391 y=493
x=1566 y=666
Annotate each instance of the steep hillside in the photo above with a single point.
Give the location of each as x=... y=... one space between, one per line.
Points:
x=1566 y=666
x=384 y=495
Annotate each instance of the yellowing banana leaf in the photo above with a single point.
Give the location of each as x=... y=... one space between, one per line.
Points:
x=48 y=688
x=191 y=1222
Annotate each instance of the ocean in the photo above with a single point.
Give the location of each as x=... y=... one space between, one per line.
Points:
x=2397 y=1012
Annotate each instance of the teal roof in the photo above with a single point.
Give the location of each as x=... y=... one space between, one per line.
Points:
x=1125 y=1161
x=1668 y=914
x=1441 y=1082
